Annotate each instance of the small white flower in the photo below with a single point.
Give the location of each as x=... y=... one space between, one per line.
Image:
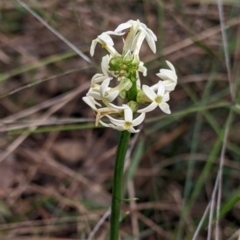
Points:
x=103 y=94
x=129 y=42
x=106 y=41
x=128 y=123
x=158 y=99
x=169 y=77
x=99 y=112
x=133 y=39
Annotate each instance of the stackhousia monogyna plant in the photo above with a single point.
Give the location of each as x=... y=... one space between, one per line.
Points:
x=120 y=100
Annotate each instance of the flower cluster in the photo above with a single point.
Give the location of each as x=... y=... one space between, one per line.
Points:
x=116 y=93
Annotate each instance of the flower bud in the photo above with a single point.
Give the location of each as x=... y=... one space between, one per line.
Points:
x=123 y=95
x=125 y=84
x=133 y=105
x=123 y=66
x=115 y=64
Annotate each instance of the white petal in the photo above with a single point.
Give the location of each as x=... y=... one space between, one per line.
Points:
x=154 y=87
x=132 y=130
x=171 y=66
x=151 y=43
x=161 y=89
x=138 y=40
x=134 y=41
x=138 y=120
x=152 y=35
x=93 y=46
x=132 y=37
x=105 y=64
x=148 y=31
x=116 y=107
x=117 y=122
x=106 y=39
x=166 y=74
x=104 y=86
x=149 y=108
x=128 y=114
x=166 y=97
x=165 y=107
x=118 y=128
x=105 y=124
x=169 y=85
x=149 y=92
x=123 y=26
x=142 y=69
x=112 y=95
x=98 y=78
x=138 y=81
x=95 y=95
x=114 y=33
x=111 y=126
x=90 y=102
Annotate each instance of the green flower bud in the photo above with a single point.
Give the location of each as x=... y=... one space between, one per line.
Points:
x=133 y=105
x=125 y=84
x=128 y=59
x=123 y=95
x=115 y=64
x=124 y=66
x=133 y=65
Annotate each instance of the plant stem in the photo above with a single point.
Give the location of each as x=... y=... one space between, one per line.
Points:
x=117 y=184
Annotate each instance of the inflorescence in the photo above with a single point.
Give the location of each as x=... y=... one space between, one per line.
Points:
x=120 y=103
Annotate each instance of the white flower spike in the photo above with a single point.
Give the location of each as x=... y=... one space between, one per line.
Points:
x=123 y=72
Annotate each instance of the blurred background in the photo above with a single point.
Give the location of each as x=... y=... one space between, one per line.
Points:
x=56 y=168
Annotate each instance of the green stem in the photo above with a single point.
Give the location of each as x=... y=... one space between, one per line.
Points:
x=132 y=93
x=117 y=184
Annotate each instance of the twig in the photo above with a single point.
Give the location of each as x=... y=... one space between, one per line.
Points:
x=220 y=170
x=98 y=225
x=67 y=98
x=59 y=35
x=228 y=123
x=225 y=47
